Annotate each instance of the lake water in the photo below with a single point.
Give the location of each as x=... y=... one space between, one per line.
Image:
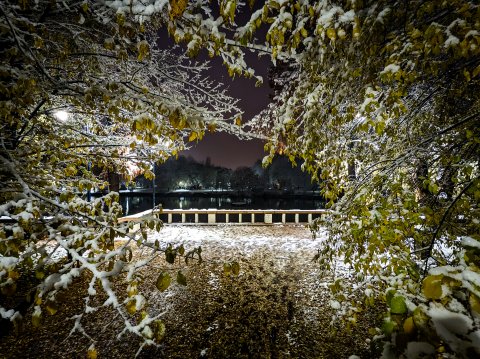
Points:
x=135 y=204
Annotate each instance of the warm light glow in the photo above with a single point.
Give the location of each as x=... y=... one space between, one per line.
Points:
x=61 y=115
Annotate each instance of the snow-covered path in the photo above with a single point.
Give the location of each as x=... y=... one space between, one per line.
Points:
x=242 y=240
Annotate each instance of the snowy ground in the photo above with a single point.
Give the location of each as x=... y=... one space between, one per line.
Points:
x=243 y=240
x=277 y=307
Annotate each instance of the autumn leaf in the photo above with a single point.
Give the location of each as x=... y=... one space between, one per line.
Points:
x=163 y=281
x=397 y=305
x=92 y=352
x=159 y=330
x=181 y=279
x=131 y=306
x=408 y=325
x=51 y=307
x=177 y=8
x=235 y=268
x=474 y=303
x=432 y=287
x=227 y=268
x=193 y=136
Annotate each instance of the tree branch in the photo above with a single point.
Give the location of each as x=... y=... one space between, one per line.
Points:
x=442 y=221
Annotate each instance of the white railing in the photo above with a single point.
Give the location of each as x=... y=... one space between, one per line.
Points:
x=236 y=216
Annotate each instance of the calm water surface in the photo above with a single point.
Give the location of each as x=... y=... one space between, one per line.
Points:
x=136 y=204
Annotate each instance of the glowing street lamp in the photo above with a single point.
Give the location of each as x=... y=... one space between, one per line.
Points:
x=61 y=115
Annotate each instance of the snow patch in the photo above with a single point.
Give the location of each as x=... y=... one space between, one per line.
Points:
x=451 y=41
x=6 y=314
x=392 y=68
x=470 y=242
x=335 y=305
x=8 y=262
x=455 y=328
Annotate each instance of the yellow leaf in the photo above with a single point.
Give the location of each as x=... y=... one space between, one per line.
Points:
x=163 y=281
x=159 y=330
x=227 y=268
x=92 y=352
x=36 y=319
x=181 y=279
x=420 y=319
x=131 y=306
x=177 y=120
x=474 y=303
x=235 y=268
x=177 y=8
x=331 y=34
x=132 y=290
x=52 y=307
x=192 y=137
x=13 y=274
x=212 y=127
x=143 y=50
x=238 y=121
x=232 y=9
x=408 y=325
x=432 y=287
x=476 y=71
x=149 y=175
x=38 y=43
x=416 y=34
x=70 y=170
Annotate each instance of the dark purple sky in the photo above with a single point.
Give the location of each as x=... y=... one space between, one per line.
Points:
x=227 y=150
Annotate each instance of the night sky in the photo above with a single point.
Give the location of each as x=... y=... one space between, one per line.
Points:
x=224 y=149
x=227 y=150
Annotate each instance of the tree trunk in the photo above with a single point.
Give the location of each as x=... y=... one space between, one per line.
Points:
x=352 y=170
x=113 y=182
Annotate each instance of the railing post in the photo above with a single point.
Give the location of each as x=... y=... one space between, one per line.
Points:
x=297 y=217
x=284 y=216
x=309 y=218
x=212 y=218
x=227 y=219
x=268 y=218
x=196 y=217
x=240 y=218
x=183 y=217
x=169 y=218
x=253 y=217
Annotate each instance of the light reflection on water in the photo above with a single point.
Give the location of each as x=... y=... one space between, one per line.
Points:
x=136 y=204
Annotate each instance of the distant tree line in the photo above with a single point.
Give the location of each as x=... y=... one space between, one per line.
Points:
x=187 y=173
